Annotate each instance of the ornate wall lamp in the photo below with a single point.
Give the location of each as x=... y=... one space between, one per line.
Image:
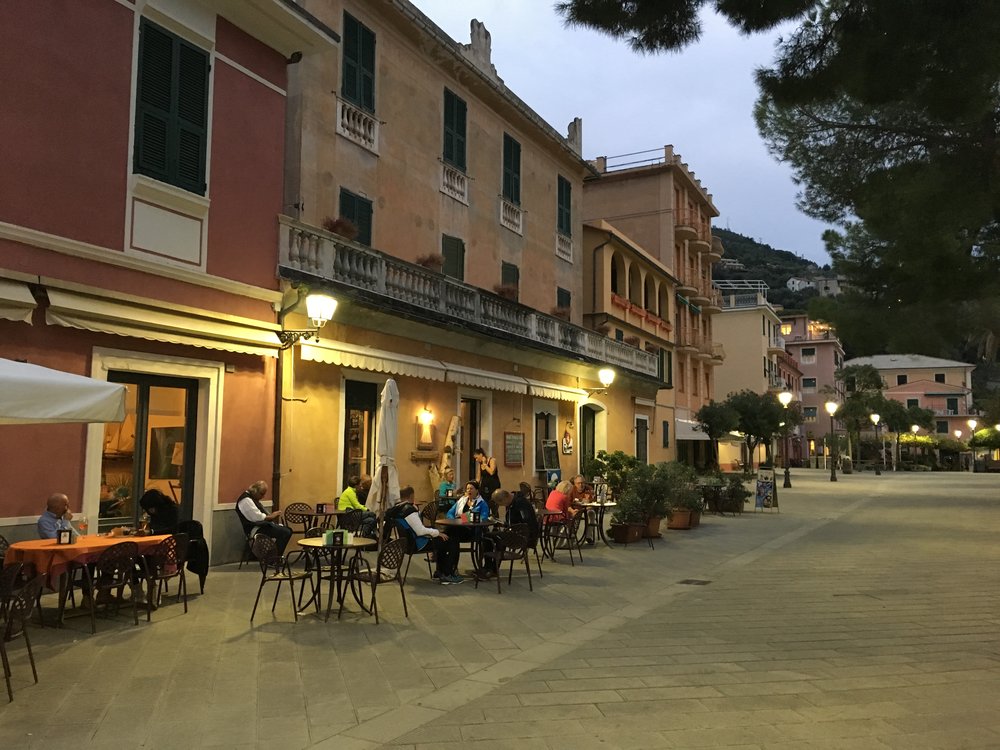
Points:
x=319 y=309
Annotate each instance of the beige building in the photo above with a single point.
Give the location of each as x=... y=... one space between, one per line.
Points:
x=464 y=280
x=666 y=211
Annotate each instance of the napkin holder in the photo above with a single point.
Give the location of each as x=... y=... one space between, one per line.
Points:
x=64 y=536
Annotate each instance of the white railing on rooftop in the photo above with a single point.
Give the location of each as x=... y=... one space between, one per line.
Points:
x=327 y=256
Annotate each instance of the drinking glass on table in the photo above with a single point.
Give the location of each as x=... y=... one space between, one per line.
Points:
x=84 y=524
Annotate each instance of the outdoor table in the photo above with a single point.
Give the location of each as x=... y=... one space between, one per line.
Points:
x=475 y=547
x=57 y=561
x=314 y=517
x=315 y=548
x=599 y=510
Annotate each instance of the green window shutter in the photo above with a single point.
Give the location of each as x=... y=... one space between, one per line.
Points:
x=454 y=130
x=511 y=170
x=171 y=127
x=453 y=250
x=564 y=221
x=510 y=275
x=563 y=297
x=358 y=77
x=358 y=211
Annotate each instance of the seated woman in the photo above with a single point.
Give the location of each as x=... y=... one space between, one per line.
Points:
x=164 y=515
x=350 y=500
x=517 y=511
x=407 y=520
x=561 y=499
x=469 y=502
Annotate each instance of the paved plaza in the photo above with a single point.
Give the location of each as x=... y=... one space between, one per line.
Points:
x=866 y=614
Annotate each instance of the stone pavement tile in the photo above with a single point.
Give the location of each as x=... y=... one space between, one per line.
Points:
x=969 y=737
x=837 y=729
x=606 y=736
x=455 y=694
x=669 y=693
x=518 y=744
x=874 y=710
x=723 y=737
x=861 y=682
x=521 y=730
x=569 y=698
x=392 y=724
x=431 y=733
x=292 y=732
x=523 y=686
x=594 y=683
x=951 y=676
x=753 y=702
x=539 y=713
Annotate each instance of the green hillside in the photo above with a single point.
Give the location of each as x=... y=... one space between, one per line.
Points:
x=768 y=264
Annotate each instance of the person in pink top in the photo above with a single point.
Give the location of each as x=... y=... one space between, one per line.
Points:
x=560 y=499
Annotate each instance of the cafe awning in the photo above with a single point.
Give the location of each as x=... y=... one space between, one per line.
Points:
x=477 y=378
x=555 y=391
x=32 y=393
x=685 y=429
x=16 y=302
x=175 y=325
x=375 y=360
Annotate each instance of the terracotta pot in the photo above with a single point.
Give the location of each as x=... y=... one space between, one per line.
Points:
x=626 y=533
x=681 y=519
x=652 y=528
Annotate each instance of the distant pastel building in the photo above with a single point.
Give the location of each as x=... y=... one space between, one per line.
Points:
x=796 y=284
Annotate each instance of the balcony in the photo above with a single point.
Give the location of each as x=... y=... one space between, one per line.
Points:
x=454 y=183
x=687 y=341
x=510 y=216
x=700 y=245
x=564 y=247
x=687 y=286
x=713 y=305
x=357 y=125
x=716 y=252
x=378 y=280
x=775 y=345
x=718 y=353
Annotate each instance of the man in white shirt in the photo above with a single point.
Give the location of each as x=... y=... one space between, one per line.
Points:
x=249 y=507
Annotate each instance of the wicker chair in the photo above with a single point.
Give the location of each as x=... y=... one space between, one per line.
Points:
x=274 y=569
x=512 y=545
x=163 y=562
x=114 y=570
x=388 y=568
x=351 y=520
x=293 y=516
x=18 y=613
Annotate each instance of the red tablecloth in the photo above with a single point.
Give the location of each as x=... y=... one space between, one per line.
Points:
x=51 y=558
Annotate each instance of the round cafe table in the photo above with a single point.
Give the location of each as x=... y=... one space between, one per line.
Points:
x=599 y=510
x=475 y=549
x=337 y=555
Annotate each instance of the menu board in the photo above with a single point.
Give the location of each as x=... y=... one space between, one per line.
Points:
x=513 y=449
x=766 y=496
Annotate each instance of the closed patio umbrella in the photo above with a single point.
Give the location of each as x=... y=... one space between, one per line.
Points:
x=31 y=394
x=385 y=486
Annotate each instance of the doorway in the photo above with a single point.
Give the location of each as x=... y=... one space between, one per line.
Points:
x=470 y=427
x=360 y=408
x=153 y=448
x=588 y=435
x=642 y=439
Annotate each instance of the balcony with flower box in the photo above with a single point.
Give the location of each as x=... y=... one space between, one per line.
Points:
x=373 y=278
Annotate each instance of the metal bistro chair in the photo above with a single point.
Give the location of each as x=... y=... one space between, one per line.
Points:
x=9 y=578
x=566 y=530
x=428 y=514
x=512 y=545
x=4 y=546
x=18 y=613
x=388 y=568
x=113 y=571
x=294 y=516
x=274 y=568
x=248 y=533
x=351 y=520
x=163 y=562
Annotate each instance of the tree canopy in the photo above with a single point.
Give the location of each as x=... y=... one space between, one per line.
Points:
x=888 y=112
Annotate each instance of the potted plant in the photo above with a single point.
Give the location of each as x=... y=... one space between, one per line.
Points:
x=560 y=312
x=735 y=494
x=343 y=227
x=431 y=261
x=682 y=494
x=627 y=522
x=650 y=487
x=507 y=291
x=616 y=469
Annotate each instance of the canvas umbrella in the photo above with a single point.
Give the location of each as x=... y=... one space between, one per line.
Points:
x=31 y=393
x=385 y=487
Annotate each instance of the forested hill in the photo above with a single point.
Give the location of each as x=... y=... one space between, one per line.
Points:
x=768 y=264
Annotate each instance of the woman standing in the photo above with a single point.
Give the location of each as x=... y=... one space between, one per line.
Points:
x=487 y=474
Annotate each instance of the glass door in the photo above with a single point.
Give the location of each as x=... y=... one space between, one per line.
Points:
x=469 y=438
x=361 y=405
x=153 y=448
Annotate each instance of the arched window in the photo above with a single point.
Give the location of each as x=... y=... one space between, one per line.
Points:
x=635 y=285
x=649 y=298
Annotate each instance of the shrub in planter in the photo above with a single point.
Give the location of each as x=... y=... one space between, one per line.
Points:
x=432 y=261
x=343 y=227
x=628 y=521
x=617 y=468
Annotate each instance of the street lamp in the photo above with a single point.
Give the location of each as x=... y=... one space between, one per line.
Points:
x=878 y=470
x=831 y=409
x=785 y=397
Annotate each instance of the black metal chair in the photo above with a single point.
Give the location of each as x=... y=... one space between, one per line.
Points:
x=512 y=545
x=533 y=540
x=350 y=521
x=19 y=611
x=248 y=533
x=114 y=570
x=293 y=514
x=565 y=531
x=274 y=569
x=163 y=562
x=388 y=568
x=4 y=546
x=10 y=576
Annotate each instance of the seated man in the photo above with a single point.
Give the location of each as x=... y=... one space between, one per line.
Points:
x=407 y=519
x=249 y=507
x=519 y=510
x=584 y=493
x=350 y=499
x=55 y=517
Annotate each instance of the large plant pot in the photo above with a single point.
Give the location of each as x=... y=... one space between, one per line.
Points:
x=652 y=528
x=680 y=519
x=626 y=533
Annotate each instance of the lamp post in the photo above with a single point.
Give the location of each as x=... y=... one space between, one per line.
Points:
x=831 y=409
x=878 y=469
x=785 y=397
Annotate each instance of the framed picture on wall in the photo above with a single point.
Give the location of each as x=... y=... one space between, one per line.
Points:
x=162 y=442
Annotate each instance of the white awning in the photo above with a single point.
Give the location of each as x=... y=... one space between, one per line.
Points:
x=493 y=381
x=685 y=429
x=31 y=393
x=16 y=302
x=375 y=360
x=188 y=327
x=555 y=391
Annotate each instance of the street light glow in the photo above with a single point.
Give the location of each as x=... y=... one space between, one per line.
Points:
x=785 y=397
x=972 y=424
x=875 y=418
x=958 y=433
x=831 y=407
x=915 y=428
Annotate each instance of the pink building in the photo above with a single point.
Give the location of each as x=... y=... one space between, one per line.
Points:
x=143 y=177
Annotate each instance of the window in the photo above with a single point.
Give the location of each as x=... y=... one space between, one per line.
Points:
x=358 y=211
x=900 y=380
x=358 y=81
x=563 y=298
x=665 y=431
x=453 y=250
x=564 y=222
x=809 y=384
x=808 y=355
x=951 y=404
x=809 y=413
x=510 y=275
x=912 y=403
x=939 y=377
x=941 y=426
x=786 y=329
x=619 y=334
x=667 y=367
x=171 y=113
x=511 y=170
x=454 y=130
x=641 y=439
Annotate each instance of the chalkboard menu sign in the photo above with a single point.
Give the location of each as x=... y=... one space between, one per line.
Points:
x=550 y=454
x=513 y=449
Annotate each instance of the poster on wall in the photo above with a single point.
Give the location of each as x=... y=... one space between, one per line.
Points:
x=766 y=496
